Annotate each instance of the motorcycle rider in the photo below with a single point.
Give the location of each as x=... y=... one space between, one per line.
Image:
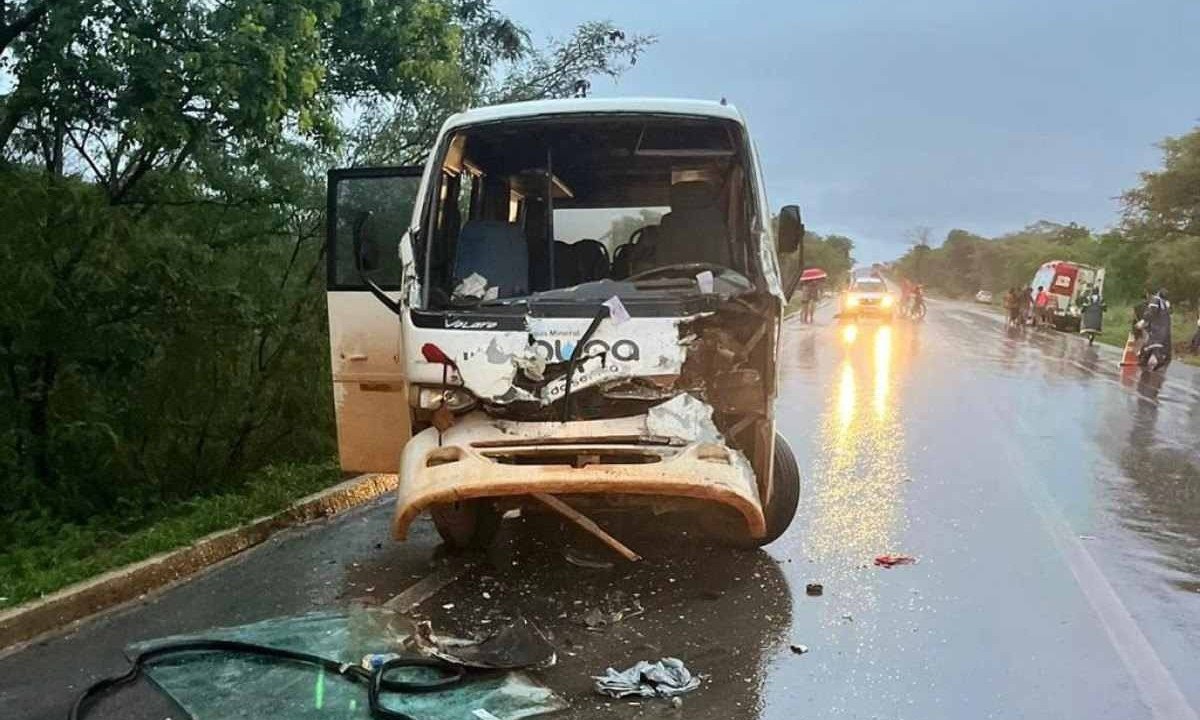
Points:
x=1156 y=324
x=918 y=301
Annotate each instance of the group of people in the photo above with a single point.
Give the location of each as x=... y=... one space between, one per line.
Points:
x=1026 y=308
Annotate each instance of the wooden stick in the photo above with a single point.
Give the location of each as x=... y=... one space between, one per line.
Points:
x=586 y=523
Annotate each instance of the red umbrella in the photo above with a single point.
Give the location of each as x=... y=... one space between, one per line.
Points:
x=811 y=274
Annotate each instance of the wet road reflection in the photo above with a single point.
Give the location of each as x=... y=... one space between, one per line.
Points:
x=1054 y=509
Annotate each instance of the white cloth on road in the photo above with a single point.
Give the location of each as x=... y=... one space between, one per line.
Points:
x=666 y=678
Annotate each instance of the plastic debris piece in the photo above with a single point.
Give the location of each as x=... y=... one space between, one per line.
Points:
x=848 y=617
x=472 y=286
x=483 y=714
x=705 y=281
x=676 y=702
x=666 y=678
x=814 y=589
x=685 y=417
x=799 y=649
x=616 y=310
x=371 y=661
x=518 y=645
x=531 y=364
x=596 y=618
x=888 y=561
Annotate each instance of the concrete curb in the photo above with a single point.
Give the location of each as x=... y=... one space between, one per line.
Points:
x=79 y=601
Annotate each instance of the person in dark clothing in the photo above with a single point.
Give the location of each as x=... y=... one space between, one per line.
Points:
x=1139 y=310
x=1027 y=305
x=1012 y=305
x=1091 y=316
x=1156 y=321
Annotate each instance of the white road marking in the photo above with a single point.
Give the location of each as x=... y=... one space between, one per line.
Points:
x=1154 y=682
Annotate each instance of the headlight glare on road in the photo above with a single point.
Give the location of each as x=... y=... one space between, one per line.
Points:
x=887 y=301
x=851 y=300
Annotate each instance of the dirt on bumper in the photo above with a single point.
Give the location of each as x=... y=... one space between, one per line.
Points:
x=480 y=457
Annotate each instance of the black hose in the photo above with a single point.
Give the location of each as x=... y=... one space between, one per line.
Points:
x=601 y=313
x=376 y=680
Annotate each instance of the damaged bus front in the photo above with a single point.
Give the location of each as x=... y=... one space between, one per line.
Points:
x=575 y=298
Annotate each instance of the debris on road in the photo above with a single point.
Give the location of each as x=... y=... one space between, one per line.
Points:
x=578 y=559
x=814 y=589
x=890 y=561
x=666 y=678
x=596 y=618
x=372 y=661
x=848 y=617
x=227 y=685
x=519 y=645
x=588 y=524
x=799 y=649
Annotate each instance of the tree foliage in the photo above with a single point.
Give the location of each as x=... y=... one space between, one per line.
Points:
x=162 y=329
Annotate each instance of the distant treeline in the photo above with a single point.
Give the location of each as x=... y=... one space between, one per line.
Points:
x=1155 y=245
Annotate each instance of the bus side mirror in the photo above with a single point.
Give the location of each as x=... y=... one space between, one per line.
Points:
x=791 y=230
x=789 y=241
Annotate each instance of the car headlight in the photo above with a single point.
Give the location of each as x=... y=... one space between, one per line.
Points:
x=431 y=398
x=851 y=300
x=887 y=301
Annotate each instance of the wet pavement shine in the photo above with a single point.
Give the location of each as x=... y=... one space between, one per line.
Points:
x=1052 y=504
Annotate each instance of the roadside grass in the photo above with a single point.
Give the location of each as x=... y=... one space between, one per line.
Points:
x=40 y=557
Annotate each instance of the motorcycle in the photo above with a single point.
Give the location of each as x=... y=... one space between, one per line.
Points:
x=1154 y=357
x=1156 y=328
x=917 y=310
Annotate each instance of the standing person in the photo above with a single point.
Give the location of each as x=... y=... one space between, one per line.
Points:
x=1041 y=304
x=810 y=302
x=1027 y=305
x=1012 y=307
x=1091 y=318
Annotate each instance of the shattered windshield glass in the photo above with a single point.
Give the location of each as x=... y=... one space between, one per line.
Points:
x=531 y=208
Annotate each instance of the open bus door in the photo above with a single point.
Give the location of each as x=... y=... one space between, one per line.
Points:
x=369 y=389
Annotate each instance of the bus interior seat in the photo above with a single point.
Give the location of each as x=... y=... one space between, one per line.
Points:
x=496 y=250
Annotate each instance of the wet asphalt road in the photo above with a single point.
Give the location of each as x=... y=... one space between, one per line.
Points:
x=1053 y=504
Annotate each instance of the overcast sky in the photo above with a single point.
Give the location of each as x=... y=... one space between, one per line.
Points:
x=880 y=115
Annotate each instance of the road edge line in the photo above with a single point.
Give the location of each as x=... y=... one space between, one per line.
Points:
x=82 y=600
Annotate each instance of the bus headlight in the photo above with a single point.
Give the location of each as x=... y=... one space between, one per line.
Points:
x=431 y=398
x=887 y=301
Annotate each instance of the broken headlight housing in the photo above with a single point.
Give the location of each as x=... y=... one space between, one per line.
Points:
x=431 y=397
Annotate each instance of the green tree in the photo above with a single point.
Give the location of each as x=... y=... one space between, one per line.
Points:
x=1167 y=203
x=162 y=327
